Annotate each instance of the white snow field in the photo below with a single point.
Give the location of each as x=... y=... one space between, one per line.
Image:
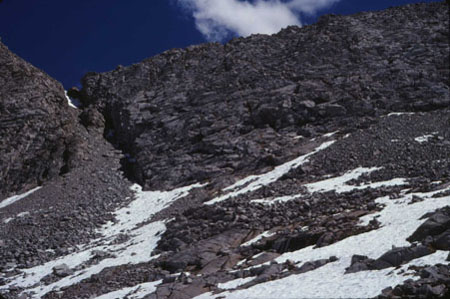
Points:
x=399 y=219
x=136 y=250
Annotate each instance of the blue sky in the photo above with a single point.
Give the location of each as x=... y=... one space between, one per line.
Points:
x=69 y=38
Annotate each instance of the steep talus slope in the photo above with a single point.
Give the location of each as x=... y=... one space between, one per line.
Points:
x=37 y=127
x=311 y=163
x=42 y=143
x=209 y=110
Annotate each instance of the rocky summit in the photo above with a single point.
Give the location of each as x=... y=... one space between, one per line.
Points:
x=314 y=162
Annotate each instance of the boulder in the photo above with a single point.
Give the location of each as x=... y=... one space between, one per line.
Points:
x=436 y=224
x=62 y=270
x=398 y=256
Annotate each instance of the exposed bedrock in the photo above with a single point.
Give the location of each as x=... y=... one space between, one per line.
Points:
x=201 y=112
x=38 y=138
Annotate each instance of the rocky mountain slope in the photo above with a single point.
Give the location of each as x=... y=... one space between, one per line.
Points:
x=38 y=132
x=209 y=110
x=311 y=163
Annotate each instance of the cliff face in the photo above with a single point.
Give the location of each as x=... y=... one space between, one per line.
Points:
x=37 y=126
x=311 y=163
x=210 y=110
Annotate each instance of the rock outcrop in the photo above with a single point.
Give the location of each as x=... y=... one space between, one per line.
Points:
x=209 y=110
x=38 y=138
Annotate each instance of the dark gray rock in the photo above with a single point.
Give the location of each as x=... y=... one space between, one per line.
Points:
x=38 y=129
x=358 y=263
x=434 y=282
x=62 y=270
x=201 y=112
x=442 y=241
x=331 y=110
x=435 y=225
x=398 y=256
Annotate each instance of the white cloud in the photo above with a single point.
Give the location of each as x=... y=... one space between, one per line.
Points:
x=217 y=19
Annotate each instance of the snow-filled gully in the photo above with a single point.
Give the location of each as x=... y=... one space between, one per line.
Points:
x=399 y=219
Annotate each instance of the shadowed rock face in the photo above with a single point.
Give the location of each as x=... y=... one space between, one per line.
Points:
x=208 y=110
x=37 y=140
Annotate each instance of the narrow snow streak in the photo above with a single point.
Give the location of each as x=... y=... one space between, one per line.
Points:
x=424 y=138
x=265 y=234
x=10 y=200
x=269 y=201
x=136 y=250
x=400 y=113
x=254 y=182
x=339 y=184
x=327 y=135
x=72 y=102
x=136 y=292
x=23 y=214
x=398 y=219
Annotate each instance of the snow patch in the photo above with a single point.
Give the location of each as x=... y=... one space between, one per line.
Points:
x=254 y=182
x=137 y=249
x=327 y=135
x=424 y=138
x=74 y=103
x=339 y=184
x=268 y=201
x=330 y=282
x=137 y=292
x=10 y=200
x=232 y=284
x=7 y=220
x=265 y=234
x=400 y=113
x=298 y=137
x=399 y=220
